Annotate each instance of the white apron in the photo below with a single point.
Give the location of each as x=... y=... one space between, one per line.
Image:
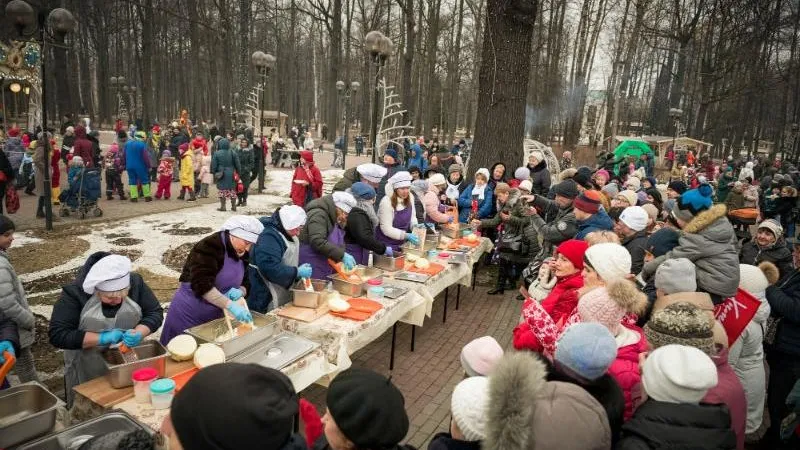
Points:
x=291 y=257
x=86 y=364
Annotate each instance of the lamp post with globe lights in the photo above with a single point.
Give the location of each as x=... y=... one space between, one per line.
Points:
x=346 y=92
x=41 y=27
x=264 y=63
x=380 y=48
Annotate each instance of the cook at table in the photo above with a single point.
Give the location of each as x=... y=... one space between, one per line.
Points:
x=361 y=224
x=214 y=278
x=323 y=236
x=105 y=305
x=274 y=259
x=396 y=215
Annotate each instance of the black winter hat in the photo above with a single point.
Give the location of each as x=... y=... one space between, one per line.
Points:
x=583 y=177
x=368 y=408
x=662 y=241
x=234 y=406
x=566 y=188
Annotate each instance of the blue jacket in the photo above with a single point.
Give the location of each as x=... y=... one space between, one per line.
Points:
x=465 y=203
x=267 y=255
x=416 y=159
x=598 y=222
x=136 y=155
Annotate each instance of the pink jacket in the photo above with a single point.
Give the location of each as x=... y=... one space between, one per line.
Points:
x=625 y=370
x=431 y=203
x=729 y=391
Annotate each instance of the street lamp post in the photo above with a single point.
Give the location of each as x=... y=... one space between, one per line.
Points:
x=379 y=48
x=346 y=92
x=675 y=114
x=264 y=63
x=61 y=22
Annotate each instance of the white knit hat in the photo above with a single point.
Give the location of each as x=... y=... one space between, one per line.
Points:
x=480 y=355
x=676 y=275
x=537 y=155
x=752 y=279
x=634 y=183
x=678 y=374
x=469 y=405
x=526 y=185
x=610 y=261
x=483 y=171
x=635 y=217
x=292 y=217
x=437 y=179
x=773 y=226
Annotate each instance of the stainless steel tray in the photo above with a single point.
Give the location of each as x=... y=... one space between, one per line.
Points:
x=393 y=292
x=412 y=276
x=215 y=331
x=390 y=263
x=305 y=299
x=26 y=412
x=455 y=257
x=149 y=353
x=346 y=287
x=278 y=352
x=74 y=436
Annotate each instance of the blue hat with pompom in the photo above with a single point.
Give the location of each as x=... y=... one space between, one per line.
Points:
x=693 y=202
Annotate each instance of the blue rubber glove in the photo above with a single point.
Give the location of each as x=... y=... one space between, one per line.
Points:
x=411 y=237
x=389 y=251
x=239 y=312
x=304 y=271
x=6 y=346
x=349 y=262
x=234 y=294
x=132 y=338
x=109 y=337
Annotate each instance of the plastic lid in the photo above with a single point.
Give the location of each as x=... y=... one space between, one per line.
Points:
x=162 y=386
x=146 y=374
x=374 y=282
x=377 y=289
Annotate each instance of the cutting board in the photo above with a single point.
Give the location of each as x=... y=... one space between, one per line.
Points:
x=303 y=314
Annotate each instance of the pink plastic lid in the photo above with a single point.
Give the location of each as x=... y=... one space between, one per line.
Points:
x=374 y=282
x=146 y=374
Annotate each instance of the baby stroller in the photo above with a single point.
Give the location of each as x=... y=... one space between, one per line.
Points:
x=81 y=197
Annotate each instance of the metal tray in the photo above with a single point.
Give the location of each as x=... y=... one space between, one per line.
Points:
x=412 y=276
x=351 y=289
x=390 y=291
x=305 y=299
x=149 y=353
x=390 y=263
x=74 y=436
x=278 y=352
x=212 y=332
x=26 y=412
x=455 y=257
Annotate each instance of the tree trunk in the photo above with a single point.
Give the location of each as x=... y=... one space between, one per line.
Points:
x=503 y=82
x=408 y=60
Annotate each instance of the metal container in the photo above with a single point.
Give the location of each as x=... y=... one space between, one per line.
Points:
x=391 y=291
x=149 y=353
x=26 y=412
x=346 y=287
x=305 y=299
x=412 y=276
x=390 y=263
x=278 y=352
x=216 y=332
x=73 y=437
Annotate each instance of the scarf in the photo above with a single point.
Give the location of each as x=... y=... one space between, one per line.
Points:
x=369 y=208
x=452 y=191
x=480 y=191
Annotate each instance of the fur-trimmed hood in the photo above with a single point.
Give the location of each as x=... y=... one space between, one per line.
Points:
x=706 y=219
x=526 y=412
x=625 y=294
x=567 y=174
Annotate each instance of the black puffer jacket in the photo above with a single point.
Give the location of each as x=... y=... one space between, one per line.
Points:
x=676 y=426
x=778 y=254
x=635 y=244
x=540 y=179
x=359 y=230
x=784 y=300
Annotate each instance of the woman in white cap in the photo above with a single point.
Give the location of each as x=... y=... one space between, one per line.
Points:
x=275 y=258
x=369 y=173
x=105 y=305
x=396 y=213
x=323 y=236
x=214 y=278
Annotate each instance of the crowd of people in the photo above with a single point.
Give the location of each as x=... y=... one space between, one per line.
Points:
x=617 y=345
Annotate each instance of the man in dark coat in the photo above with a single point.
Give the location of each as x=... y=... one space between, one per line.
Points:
x=632 y=231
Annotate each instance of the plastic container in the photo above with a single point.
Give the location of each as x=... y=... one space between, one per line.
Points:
x=432 y=254
x=161 y=393
x=375 y=293
x=142 y=379
x=374 y=282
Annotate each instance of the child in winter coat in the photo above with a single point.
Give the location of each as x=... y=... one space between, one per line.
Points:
x=165 y=175
x=206 y=177
x=187 y=173
x=114 y=167
x=75 y=168
x=14 y=304
x=468 y=404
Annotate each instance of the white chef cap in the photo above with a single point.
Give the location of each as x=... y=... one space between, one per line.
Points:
x=244 y=227
x=109 y=274
x=372 y=172
x=292 y=216
x=400 y=180
x=344 y=201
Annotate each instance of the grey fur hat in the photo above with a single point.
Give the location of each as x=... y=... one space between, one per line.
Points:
x=526 y=412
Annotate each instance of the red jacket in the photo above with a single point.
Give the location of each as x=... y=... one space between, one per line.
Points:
x=729 y=391
x=83 y=146
x=314 y=178
x=625 y=370
x=560 y=303
x=55 y=170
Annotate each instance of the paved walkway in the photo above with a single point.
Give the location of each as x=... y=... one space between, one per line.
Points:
x=428 y=375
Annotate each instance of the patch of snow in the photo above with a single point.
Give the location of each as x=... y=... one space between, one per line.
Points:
x=24 y=238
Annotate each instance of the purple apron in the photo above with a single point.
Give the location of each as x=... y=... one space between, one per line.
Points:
x=359 y=253
x=188 y=310
x=401 y=221
x=319 y=263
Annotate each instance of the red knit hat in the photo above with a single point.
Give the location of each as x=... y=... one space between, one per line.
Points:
x=588 y=202
x=573 y=250
x=14 y=132
x=307 y=156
